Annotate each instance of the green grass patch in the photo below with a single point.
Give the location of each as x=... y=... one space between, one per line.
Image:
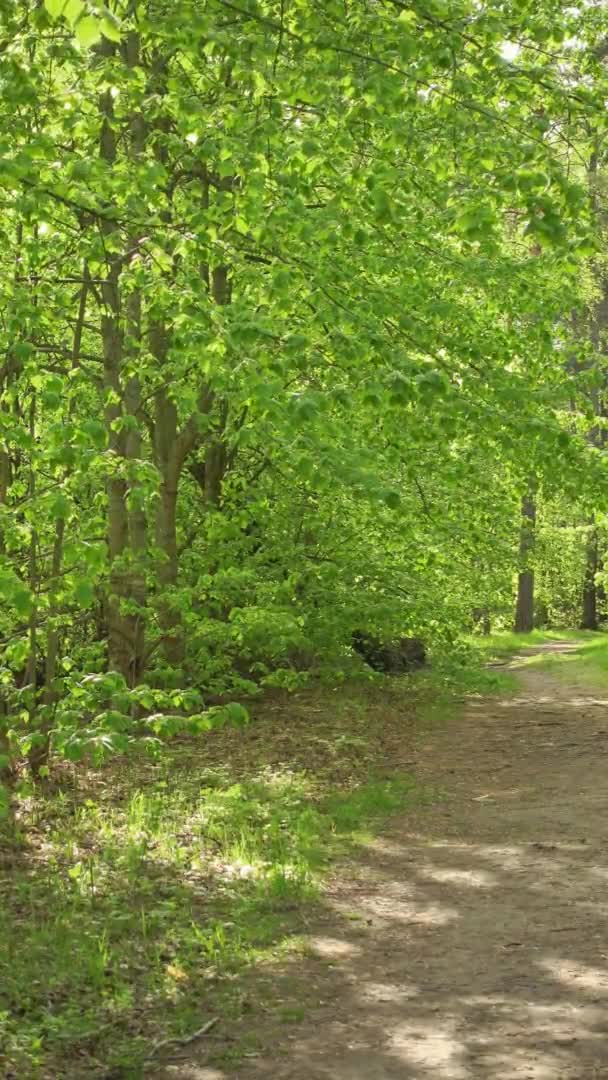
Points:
x=458 y=677
x=586 y=665
x=506 y=643
x=143 y=895
x=140 y=894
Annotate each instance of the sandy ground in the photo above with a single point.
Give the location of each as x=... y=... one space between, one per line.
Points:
x=469 y=941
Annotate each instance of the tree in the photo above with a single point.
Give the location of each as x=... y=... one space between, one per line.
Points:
x=524 y=610
x=277 y=354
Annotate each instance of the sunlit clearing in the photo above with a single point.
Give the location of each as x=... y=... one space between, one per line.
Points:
x=576 y=975
x=384 y=992
x=385 y=846
x=333 y=947
x=531 y=1064
x=565 y=1021
x=476 y=879
x=432 y=1048
x=395 y=909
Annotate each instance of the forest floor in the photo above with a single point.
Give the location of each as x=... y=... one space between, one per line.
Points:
x=469 y=939
x=400 y=879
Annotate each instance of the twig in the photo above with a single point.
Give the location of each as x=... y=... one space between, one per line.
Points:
x=184 y=1040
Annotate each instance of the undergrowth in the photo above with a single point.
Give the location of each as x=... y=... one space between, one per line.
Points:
x=506 y=642
x=586 y=665
x=585 y=661
x=138 y=895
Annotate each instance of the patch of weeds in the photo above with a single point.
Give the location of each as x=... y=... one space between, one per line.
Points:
x=587 y=665
x=143 y=893
x=449 y=679
x=365 y=806
x=506 y=643
x=129 y=920
x=292 y=1014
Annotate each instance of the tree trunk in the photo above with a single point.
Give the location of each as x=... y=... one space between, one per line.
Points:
x=137 y=522
x=6 y=773
x=52 y=633
x=168 y=453
x=120 y=652
x=589 y=618
x=170 y=619
x=171 y=449
x=524 y=610
x=126 y=527
x=38 y=753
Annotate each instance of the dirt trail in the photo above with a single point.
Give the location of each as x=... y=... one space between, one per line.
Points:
x=470 y=941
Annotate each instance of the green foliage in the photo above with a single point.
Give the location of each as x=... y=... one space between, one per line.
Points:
x=280 y=365
x=298 y=300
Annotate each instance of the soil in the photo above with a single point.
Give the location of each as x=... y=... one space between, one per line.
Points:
x=469 y=941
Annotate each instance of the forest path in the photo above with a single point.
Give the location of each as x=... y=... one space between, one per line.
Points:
x=469 y=941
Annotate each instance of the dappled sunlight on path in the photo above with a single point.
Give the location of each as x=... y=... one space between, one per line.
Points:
x=468 y=943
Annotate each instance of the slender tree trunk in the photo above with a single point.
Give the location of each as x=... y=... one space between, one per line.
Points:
x=5 y=756
x=52 y=633
x=597 y=436
x=168 y=453
x=170 y=619
x=119 y=638
x=39 y=754
x=171 y=448
x=137 y=522
x=119 y=646
x=127 y=537
x=524 y=610
x=39 y=751
x=7 y=773
x=589 y=618
x=137 y=518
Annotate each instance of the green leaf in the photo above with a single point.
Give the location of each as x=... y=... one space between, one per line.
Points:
x=72 y=10
x=110 y=27
x=84 y=593
x=22 y=600
x=392 y=499
x=54 y=7
x=237 y=714
x=88 y=31
x=60 y=506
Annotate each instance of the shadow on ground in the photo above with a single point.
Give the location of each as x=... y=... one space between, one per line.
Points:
x=470 y=941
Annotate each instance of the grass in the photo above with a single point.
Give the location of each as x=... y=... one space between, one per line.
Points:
x=506 y=642
x=140 y=896
x=459 y=680
x=586 y=664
